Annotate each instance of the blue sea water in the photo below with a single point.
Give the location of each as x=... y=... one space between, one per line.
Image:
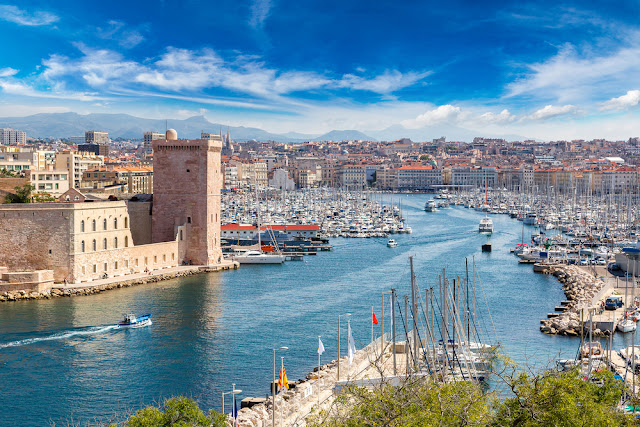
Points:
x=62 y=361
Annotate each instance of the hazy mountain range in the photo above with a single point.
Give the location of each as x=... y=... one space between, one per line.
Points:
x=62 y=125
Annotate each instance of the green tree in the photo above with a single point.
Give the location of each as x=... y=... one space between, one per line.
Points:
x=21 y=195
x=562 y=399
x=176 y=412
x=6 y=173
x=43 y=197
x=417 y=402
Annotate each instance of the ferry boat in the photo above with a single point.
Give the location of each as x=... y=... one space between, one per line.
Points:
x=486 y=225
x=392 y=243
x=431 y=206
x=131 y=321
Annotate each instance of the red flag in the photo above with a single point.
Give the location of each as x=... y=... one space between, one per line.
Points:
x=374 y=321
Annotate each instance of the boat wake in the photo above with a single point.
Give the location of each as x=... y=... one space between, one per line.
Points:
x=60 y=336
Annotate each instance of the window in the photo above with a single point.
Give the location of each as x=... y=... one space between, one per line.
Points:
x=93 y=225
x=95 y=268
x=115 y=242
x=126 y=241
x=189 y=220
x=126 y=222
x=104 y=244
x=106 y=266
x=94 y=244
x=104 y=224
x=115 y=223
x=155 y=259
x=82 y=246
x=164 y=258
x=115 y=265
x=82 y=226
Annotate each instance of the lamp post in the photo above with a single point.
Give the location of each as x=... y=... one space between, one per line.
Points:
x=382 y=325
x=273 y=387
x=233 y=392
x=339 y=316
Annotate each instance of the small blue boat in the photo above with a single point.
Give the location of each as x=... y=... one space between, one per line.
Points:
x=131 y=321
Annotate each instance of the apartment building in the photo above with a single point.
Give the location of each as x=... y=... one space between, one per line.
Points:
x=76 y=164
x=12 y=137
x=148 y=139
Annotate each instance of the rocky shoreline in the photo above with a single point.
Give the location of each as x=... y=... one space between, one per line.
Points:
x=579 y=287
x=61 y=291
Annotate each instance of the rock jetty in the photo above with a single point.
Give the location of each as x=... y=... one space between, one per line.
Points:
x=580 y=287
x=117 y=283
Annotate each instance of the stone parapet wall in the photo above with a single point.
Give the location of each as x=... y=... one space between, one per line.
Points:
x=31 y=281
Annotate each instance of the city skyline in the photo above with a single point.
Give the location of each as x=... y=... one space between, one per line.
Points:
x=545 y=70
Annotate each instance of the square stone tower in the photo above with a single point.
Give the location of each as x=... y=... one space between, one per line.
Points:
x=186 y=194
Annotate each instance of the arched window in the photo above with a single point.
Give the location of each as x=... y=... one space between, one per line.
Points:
x=94 y=244
x=126 y=240
x=126 y=222
x=82 y=246
x=93 y=225
x=115 y=242
x=104 y=223
x=115 y=223
x=104 y=243
x=82 y=226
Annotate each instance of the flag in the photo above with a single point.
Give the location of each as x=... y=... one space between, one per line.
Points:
x=374 y=321
x=282 y=379
x=234 y=413
x=351 y=348
x=320 y=346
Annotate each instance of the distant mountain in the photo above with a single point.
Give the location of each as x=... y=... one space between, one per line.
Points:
x=344 y=135
x=61 y=125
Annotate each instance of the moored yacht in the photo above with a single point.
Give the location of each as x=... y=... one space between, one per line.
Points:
x=259 y=257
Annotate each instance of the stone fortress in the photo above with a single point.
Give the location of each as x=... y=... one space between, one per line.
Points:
x=81 y=242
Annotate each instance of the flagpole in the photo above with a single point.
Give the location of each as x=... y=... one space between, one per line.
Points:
x=319 y=372
x=281 y=387
x=348 y=346
x=372 y=326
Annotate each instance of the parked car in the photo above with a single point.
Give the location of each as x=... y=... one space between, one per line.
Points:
x=602 y=261
x=613 y=302
x=613 y=266
x=584 y=261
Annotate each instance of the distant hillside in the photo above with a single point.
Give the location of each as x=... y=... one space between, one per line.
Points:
x=61 y=125
x=344 y=135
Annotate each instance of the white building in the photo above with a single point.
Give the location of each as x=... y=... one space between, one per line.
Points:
x=148 y=138
x=474 y=177
x=12 y=137
x=54 y=182
x=76 y=164
x=281 y=180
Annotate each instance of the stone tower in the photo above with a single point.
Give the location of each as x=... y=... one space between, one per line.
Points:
x=186 y=196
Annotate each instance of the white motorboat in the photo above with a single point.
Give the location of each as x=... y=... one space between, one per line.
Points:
x=392 y=243
x=258 y=257
x=486 y=225
x=431 y=206
x=131 y=321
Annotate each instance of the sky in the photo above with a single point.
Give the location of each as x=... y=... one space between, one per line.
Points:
x=548 y=70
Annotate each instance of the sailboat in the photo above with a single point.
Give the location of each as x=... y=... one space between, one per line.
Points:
x=258 y=256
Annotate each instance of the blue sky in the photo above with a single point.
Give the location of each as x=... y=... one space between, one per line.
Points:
x=544 y=69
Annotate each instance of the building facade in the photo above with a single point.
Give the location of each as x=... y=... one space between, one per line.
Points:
x=12 y=137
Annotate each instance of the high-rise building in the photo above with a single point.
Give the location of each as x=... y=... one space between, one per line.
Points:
x=95 y=137
x=97 y=149
x=12 y=137
x=149 y=137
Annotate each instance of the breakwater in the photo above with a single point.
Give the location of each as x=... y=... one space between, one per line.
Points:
x=580 y=287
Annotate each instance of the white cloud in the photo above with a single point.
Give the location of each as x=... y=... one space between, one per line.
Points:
x=549 y=111
x=259 y=13
x=442 y=114
x=491 y=118
x=624 y=102
x=573 y=76
x=388 y=82
x=6 y=72
x=18 y=16
x=18 y=88
x=123 y=35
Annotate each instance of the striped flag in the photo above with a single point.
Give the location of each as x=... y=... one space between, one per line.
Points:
x=282 y=379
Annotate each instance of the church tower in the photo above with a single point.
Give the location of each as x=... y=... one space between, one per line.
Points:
x=186 y=196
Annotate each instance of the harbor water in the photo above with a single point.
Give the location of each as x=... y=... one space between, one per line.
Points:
x=62 y=360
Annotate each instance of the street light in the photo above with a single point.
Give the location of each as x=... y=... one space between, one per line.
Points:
x=340 y=315
x=273 y=387
x=233 y=391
